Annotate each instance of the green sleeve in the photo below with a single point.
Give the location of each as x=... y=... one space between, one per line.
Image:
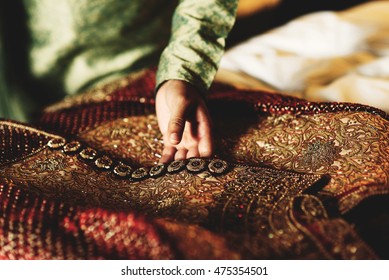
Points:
x=199 y=30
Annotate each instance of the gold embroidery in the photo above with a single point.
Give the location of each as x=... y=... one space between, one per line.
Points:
x=353 y=147
x=136 y=139
x=335 y=238
x=261 y=210
x=319 y=154
x=35 y=228
x=98 y=94
x=49 y=164
x=183 y=195
x=19 y=141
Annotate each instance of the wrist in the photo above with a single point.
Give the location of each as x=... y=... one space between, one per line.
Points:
x=182 y=84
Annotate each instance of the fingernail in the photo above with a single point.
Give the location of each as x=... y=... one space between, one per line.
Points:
x=174 y=138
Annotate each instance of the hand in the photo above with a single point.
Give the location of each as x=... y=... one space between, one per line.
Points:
x=184 y=121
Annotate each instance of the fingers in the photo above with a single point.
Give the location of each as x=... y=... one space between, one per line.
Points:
x=171 y=153
x=168 y=154
x=181 y=154
x=205 y=145
x=184 y=122
x=176 y=124
x=193 y=152
x=196 y=139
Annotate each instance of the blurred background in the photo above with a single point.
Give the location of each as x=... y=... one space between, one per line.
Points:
x=256 y=16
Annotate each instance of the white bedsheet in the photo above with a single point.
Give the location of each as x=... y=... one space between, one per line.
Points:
x=324 y=56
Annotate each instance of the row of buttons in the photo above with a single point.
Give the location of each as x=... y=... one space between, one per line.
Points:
x=121 y=170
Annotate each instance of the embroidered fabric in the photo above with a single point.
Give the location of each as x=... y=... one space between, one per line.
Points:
x=248 y=204
x=105 y=160
x=347 y=141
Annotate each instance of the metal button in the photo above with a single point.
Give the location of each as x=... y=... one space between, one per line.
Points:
x=122 y=170
x=176 y=166
x=157 y=170
x=103 y=162
x=88 y=154
x=217 y=166
x=72 y=147
x=196 y=165
x=140 y=173
x=56 y=143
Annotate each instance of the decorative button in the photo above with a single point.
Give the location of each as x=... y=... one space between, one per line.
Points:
x=88 y=154
x=122 y=170
x=217 y=166
x=140 y=173
x=176 y=166
x=157 y=170
x=72 y=147
x=56 y=143
x=196 y=165
x=103 y=162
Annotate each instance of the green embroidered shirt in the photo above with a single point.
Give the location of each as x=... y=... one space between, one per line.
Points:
x=74 y=44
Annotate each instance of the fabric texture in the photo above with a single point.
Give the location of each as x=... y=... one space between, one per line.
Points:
x=80 y=189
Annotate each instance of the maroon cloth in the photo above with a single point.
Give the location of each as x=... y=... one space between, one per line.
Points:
x=32 y=227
